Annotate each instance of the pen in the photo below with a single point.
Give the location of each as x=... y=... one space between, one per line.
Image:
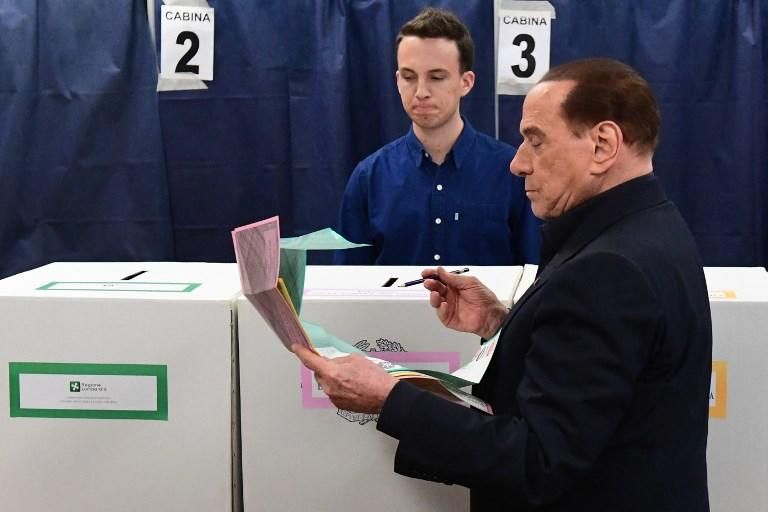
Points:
x=433 y=276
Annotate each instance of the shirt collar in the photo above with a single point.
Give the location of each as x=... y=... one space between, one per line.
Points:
x=461 y=148
x=568 y=233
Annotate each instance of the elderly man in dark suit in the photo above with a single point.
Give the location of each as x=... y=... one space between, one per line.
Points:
x=600 y=379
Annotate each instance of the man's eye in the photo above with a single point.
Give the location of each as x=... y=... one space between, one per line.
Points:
x=408 y=78
x=438 y=78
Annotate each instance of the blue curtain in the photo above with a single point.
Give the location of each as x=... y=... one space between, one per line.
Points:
x=81 y=167
x=96 y=165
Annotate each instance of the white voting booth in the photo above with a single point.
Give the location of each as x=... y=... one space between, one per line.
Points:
x=299 y=452
x=120 y=380
x=118 y=392
x=737 y=449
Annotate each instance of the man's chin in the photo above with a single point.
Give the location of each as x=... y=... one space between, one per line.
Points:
x=427 y=121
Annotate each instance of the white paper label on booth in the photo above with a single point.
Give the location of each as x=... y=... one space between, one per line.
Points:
x=524 y=45
x=186 y=42
x=402 y=293
x=82 y=390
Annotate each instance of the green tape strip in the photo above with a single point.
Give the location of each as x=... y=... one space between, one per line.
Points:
x=159 y=371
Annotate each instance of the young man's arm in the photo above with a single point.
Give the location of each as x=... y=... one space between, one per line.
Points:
x=354 y=222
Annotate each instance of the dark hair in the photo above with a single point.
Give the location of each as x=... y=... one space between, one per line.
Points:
x=433 y=23
x=609 y=90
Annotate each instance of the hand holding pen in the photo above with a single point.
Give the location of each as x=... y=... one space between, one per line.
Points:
x=433 y=276
x=463 y=303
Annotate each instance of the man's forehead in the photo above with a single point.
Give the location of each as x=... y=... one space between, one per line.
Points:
x=543 y=102
x=550 y=94
x=431 y=42
x=427 y=54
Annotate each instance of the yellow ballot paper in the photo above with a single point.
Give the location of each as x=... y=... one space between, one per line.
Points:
x=272 y=287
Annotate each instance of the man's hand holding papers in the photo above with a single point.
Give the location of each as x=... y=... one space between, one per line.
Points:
x=353 y=382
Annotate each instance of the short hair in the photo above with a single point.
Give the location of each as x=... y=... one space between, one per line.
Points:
x=433 y=23
x=609 y=90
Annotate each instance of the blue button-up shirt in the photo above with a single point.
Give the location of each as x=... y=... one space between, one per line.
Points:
x=469 y=210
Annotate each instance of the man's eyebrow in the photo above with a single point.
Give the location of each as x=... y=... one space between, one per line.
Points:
x=434 y=70
x=531 y=131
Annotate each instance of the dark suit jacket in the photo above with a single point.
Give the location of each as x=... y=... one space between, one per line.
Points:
x=600 y=381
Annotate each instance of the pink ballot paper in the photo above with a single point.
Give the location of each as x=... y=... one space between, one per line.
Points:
x=257 y=249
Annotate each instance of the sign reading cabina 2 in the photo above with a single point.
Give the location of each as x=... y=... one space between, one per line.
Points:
x=186 y=44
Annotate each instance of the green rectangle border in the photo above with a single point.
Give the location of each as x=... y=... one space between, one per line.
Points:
x=157 y=370
x=48 y=286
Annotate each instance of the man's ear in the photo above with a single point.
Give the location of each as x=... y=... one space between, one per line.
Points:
x=607 y=138
x=467 y=82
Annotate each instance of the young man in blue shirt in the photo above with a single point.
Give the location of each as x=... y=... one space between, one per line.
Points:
x=442 y=193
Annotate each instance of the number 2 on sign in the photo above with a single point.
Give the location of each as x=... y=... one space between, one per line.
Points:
x=184 y=66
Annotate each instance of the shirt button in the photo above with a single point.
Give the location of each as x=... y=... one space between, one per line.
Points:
x=437 y=257
x=438 y=220
x=439 y=187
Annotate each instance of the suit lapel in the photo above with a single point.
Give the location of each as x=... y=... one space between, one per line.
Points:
x=537 y=283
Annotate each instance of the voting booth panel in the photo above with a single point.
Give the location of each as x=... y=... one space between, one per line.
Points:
x=119 y=392
x=300 y=452
x=737 y=449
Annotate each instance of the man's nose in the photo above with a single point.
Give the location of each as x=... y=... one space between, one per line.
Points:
x=520 y=164
x=422 y=91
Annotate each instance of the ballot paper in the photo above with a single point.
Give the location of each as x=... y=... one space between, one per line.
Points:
x=272 y=276
x=257 y=249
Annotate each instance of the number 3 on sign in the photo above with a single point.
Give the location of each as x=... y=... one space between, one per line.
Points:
x=186 y=44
